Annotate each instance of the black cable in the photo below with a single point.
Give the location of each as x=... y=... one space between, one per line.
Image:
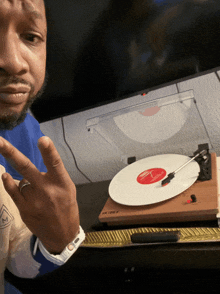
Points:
x=217 y=76
x=74 y=158
x=177 y=89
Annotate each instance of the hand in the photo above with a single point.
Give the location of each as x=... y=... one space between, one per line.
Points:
x=48 y=205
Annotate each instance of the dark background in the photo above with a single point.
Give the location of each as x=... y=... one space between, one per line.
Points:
x=105 y=50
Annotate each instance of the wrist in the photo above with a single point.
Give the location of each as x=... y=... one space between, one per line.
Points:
x=68 y=251
x=56 y=249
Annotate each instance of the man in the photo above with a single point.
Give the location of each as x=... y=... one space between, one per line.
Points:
x=39 y=218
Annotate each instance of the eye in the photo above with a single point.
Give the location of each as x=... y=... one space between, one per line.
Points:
x=32 y=38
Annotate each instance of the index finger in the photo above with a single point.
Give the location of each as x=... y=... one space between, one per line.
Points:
x=19 y=161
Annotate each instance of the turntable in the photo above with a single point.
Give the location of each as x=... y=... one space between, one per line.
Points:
x=164 y=188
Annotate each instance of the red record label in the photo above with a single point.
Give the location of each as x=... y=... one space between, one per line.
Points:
x=151 y=176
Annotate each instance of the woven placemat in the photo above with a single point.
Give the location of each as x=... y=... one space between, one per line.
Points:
x=122 y=238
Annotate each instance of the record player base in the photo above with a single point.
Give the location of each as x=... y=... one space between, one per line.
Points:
x=176 y=209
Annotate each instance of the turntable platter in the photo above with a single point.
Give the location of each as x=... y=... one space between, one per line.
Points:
x=140 y=182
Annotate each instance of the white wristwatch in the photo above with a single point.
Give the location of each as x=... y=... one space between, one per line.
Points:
x=65 y=254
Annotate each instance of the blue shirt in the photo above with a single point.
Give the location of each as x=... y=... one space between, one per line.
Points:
x=24 y=137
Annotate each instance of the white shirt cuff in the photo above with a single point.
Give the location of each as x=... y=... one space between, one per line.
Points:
x=65 y=254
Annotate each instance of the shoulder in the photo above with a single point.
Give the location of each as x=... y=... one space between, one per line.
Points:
x=31 y=123
x=31 y=128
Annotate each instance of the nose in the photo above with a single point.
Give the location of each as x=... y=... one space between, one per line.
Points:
x=12 y=61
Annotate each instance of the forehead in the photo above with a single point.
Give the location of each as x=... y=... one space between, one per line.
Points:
x=29 y=8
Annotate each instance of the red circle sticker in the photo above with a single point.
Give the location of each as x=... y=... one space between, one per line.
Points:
x=151 y=176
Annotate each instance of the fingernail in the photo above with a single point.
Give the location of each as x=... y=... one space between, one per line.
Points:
x=45 y=142
x=4 y=176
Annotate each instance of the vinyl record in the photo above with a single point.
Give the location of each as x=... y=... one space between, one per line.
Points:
x=140 y=182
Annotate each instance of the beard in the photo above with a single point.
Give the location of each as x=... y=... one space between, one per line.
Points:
x=9 y=120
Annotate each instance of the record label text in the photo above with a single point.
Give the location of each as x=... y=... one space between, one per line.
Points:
x=151 y=176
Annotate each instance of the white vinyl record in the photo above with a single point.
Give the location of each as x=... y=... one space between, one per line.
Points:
x=140 y=182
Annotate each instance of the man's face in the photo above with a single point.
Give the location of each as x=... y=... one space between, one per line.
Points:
x=23 y=33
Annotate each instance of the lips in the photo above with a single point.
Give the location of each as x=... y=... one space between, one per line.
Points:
x=14 y=94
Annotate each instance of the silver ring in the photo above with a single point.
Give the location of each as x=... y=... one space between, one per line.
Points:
x=25 y=184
